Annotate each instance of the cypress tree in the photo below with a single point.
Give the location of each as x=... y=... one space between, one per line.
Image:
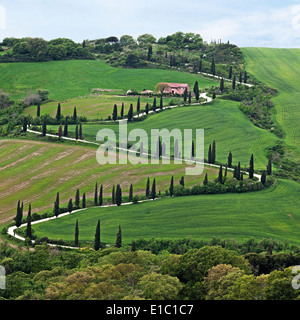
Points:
x=66 y=128
x=83 y=201
x=119 y=238
x=115 y=113
x=58 y=113
x=77 y=199
x=269 y=167
x=76 y=242
x=193 y=150
x=113 y=195
x=263 y=178
x=122 y=110
x=80 y=131
x=196 y=90
x=148 y=188
x=209 y=154
x=70 y=206
x=190 y=97
x=220 y=179
x=44 y=129
x=213 y=66
x=147 y=108
x=213 y=152
x=251 y=168
x=138 y=106
x=161 y=105
x=38 y=110
x=133 y=246
x=96 y=195
x=130 y=197
x=225 y=173
x=185 y=95
x=19 y=215
x=130 y=113
x=238 y=171
x=97 y=243
x=241 y=77
x=214 y=95
x=56 y=209
x=75 y=114
x=25 y=123
x=153 y=190
x=242 y=176
x=205 y=180
x=118 y=195
x=222 y=85
x=28 y=228
x=171 y=188
x=154 y=105
x=245 y=77
x=229 y=162
x=234 y=82
x=230 y=73
x=76 y=132
x=182 y=181
x=101 y=196
x=57 y=198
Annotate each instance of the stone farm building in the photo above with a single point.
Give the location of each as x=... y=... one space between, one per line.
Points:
x=176 y=88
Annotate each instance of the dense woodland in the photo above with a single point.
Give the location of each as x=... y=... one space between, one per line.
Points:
x=202 y=271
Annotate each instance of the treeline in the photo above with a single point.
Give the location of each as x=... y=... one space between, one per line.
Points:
x=37 y=49
x=207 y=273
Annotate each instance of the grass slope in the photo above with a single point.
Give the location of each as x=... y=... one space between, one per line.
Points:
x=272 y=213
x=33 y=172
x=69 y=79
x=280 y=69
x=221 y=121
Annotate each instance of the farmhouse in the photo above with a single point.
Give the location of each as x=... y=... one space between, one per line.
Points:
x=176 y=88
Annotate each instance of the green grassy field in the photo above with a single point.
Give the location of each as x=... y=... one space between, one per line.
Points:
x=221 y=121
x=280 y=69
x=93 y=107
x=272 y=213
x=70 y=79
x=33 y=172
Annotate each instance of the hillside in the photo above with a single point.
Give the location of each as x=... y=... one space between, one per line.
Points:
x=280 y=69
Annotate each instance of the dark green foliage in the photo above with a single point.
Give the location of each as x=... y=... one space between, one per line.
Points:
x=263 y=178
x=229 y=162
x=58 y=113
x=130 y=197
x=147 y=108
x=76 y=241
x=77 y=199
x=222 y=85
x=148 y=188
x=154 y=105
x=251 y=168
x=44 y=128
x=83 y=201
x=38 y=110
x=19 y=215
x=60 y=133
x=97 y=243
x=118 y=195
x=138 y=106
x=25 y=123
x=205 y=180
x=66 y=127
x=209 y=154
x=80 y=131
x=101 y=196
x=113 y=195
x=76 y=132
x=234 y=83
x=96 y=195
x=230 y=73
x=171 y=188
x=196 y=90
x=115 y=113
x=130 y=113
x=181 y=182
x=56 y=209
x=185 y=95
x=153 y=190
x=213 y=152
x=161 y=104
x=28 y=233
x=269 y=167
x=70 y=206
x=122 y=110
x=119 y=238
x=220 y=178
x=213 y=66
x=75 y=114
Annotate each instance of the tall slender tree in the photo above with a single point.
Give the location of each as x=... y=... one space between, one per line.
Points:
x=213 y=152
x=60 y=132
x=171 y=188
x=115 y=113
x=44 y=128
x=222 y=85
x=147 y=108
x=96 y=195
x=76 y=132
x=28 y=233
x=230 y=73
x=245 y=77
x=19 y=215
x=161 y=104
x=76 y=241
x=119 y=238
x=138 y=106
x=66 y=127
x=213 y=66
x=56 y=209
x=154 y=105
x=185 y=95
x=122 y=110
x=58 y=113
x=130 y=113
x=118 y=195
x=97 y=243
x=25 y=123
x=209 y=154
x=229 y=162
x=83 y=200
x=153 y=190
x=196 y=90
x=77 y=199
x=74 y=114
x=205 y=180
x=130 y=197
x=70 y=206
x=234 y=82
x=251 y=168
x=101 y=196
x=220 y=178
x=181 y=182
x=80 y=131
x=38 y=110
x=148 y=188
x=263 y=178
